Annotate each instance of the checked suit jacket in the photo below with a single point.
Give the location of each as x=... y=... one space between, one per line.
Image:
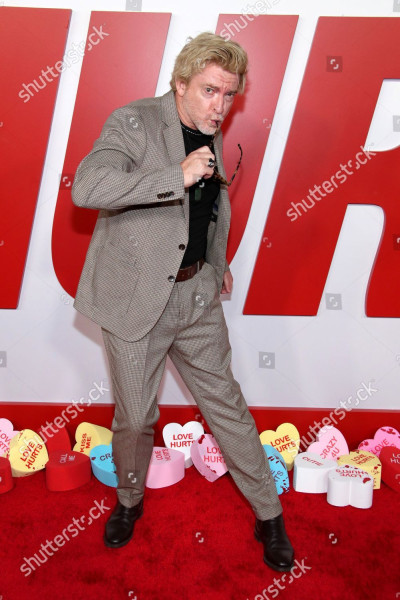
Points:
x=133 y=176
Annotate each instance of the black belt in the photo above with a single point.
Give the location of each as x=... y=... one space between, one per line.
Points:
x=189 y=272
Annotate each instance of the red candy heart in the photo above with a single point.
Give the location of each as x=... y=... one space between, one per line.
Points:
x=390 y=459
x=6 y=480
x=67 y=470
x=56 y=440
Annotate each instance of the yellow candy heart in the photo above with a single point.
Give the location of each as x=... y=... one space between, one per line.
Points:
x=89 y=436
x=286 y=440
x=366 y=461
x=28 y=453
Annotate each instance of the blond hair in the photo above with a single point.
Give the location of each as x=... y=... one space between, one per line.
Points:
x=209 y=48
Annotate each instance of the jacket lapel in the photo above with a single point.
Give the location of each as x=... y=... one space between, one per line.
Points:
x=218 y=154
x=173 y=138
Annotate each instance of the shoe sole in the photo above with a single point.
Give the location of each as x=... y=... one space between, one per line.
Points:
x=120 y=544
x=272 y=565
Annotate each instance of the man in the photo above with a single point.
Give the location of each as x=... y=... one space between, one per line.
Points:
x=154 y=272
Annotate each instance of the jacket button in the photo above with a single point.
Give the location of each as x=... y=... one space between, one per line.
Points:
x=171 y=278
x=181 y=246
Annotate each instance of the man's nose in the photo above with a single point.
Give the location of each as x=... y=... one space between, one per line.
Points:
x=218 y=105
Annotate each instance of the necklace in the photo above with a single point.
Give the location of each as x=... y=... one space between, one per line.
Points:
x=190 y=130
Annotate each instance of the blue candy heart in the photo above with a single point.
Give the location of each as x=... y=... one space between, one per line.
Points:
x=103 y=466
x=278 y=468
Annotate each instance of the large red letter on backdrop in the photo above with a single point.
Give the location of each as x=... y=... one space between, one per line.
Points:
x=122 y=67
x=267 y=40
x=324 y=169
x=30 y=72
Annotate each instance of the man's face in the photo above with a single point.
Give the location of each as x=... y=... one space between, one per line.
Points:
x=205 y=101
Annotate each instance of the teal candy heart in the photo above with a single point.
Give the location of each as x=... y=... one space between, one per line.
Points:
x=103 y=466
x=278 y=468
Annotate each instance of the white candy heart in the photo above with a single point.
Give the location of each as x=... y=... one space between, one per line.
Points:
x=311 y=473
x=181 y=438
x=350 y=486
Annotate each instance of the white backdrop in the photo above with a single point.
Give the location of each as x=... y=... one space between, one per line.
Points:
x=51 y=354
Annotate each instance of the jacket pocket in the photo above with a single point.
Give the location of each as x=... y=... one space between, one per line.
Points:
x=115 y=277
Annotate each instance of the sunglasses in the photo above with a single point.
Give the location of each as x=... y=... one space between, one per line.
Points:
x=219 y=177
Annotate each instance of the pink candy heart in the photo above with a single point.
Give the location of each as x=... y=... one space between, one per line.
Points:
x=167 y=467
x=385 y=436
x=6 y=434
x=207 y=457
x=330 y=444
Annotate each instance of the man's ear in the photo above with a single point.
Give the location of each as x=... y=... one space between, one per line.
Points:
x=180 y=87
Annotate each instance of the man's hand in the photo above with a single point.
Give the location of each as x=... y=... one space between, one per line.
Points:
x=195 y=166
x=227 y=283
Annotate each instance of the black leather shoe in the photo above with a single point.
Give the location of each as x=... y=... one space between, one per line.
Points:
x=278 y=551
x=120 y=525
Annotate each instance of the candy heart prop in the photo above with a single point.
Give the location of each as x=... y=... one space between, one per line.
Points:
x=28 y=453
x=207 y=457
x=55 y=439
x=366 y=461
x=311 y=473
x=385 y=436
x=181 y=438
x=278 y=469
x=390 y=459
x=330 y=444
x=89 y=436
x=6 y=434
x=350 y=486
x=166 y=467
x=286 y=440
x=6 y=480
x=103 y=466
x=67 y=470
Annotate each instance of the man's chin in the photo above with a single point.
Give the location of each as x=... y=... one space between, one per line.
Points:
x=208 y=129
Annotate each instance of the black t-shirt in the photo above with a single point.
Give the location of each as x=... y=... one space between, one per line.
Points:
x=202 y=196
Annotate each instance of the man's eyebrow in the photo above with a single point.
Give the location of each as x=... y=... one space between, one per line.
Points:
x=216 y=87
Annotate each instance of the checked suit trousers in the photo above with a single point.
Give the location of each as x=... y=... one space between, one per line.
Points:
x=193 y=332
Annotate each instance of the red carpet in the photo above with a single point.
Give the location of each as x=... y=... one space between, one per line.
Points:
x=195 y=540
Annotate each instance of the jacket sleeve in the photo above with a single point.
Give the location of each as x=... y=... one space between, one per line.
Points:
x=112 y=177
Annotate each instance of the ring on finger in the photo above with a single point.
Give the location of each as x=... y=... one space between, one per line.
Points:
x=211 y=162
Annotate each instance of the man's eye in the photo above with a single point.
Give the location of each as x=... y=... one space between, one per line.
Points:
x=209 y=90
